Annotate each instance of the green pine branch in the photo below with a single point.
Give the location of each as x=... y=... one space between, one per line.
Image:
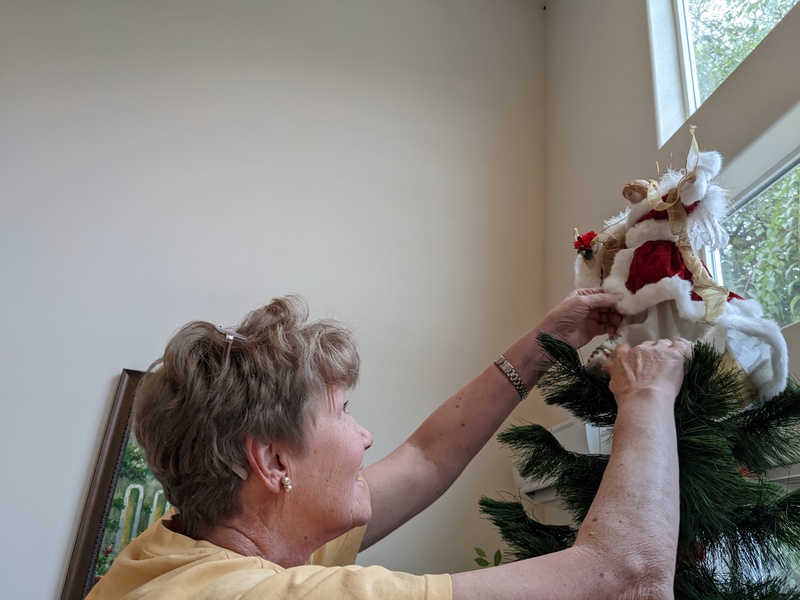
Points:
x=710 y=391
x=765 y=435
x=578 y=483
x=539 y=457
x=732 y=523
x=703 y=582
x=526 y=536
x=581 y=390
x=536 y=452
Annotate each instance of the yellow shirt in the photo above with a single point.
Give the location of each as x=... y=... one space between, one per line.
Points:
x=160 y=564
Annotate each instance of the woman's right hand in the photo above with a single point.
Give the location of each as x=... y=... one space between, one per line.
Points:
x=626 y=545
x=650 y=366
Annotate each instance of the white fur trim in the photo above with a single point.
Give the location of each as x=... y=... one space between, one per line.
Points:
x=759 y=347
x=750 y=309
x=637 y=211
x=584 y=276
x=669 y=288
x=669 y=180
x=647 y=231
x=705 y=230
x=715 y=203
x=616 y=223
x=707 y=167
x=704 y=223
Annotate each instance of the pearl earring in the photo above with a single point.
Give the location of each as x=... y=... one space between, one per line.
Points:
x=286 y=483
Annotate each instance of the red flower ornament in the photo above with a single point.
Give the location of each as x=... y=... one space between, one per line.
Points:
x=583 y=244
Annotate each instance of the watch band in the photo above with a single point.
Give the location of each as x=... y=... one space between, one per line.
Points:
x=513 y=376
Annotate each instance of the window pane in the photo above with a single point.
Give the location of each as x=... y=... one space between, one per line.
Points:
x=724 y=32
x=763 y=258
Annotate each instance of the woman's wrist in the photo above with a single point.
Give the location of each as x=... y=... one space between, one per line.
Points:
x=513 y=376
x=528 y=358
x=647 y=396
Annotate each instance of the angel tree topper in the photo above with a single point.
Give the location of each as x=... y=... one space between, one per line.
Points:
x=646 y=256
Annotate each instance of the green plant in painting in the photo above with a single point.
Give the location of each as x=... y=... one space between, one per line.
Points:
x=134 y=466
x=119 y=527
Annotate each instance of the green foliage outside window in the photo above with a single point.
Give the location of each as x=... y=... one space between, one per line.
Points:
x=763 y=258
x=724 y=32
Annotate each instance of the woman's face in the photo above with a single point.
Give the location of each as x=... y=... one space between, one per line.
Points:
x=326 y=476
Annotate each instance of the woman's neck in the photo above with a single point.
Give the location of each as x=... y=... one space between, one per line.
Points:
x=251 y=537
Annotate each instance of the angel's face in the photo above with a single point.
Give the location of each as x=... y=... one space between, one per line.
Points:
x=635 y=191
x=633 y=196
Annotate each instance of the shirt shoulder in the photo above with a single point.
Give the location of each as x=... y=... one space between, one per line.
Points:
x=164 y=565
x=311 y=582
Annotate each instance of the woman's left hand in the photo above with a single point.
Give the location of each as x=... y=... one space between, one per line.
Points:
x=582 y=315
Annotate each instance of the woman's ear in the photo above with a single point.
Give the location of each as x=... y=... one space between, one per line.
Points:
x=265 y=463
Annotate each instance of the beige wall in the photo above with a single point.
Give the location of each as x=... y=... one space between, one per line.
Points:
x=600 y=125
x=385 y=159
x=167 y=161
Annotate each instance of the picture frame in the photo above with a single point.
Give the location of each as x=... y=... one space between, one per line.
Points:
x=92 y=551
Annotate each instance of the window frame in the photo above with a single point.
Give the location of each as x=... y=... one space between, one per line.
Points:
x=738 y=99
x=759 y=137
x=691 y=86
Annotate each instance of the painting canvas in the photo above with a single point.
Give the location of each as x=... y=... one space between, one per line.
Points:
x=123 y=500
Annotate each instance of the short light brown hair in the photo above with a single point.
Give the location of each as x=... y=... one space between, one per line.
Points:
x=192 y=413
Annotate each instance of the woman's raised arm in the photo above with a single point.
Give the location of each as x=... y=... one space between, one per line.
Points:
x=626 y=546
x=426 y=464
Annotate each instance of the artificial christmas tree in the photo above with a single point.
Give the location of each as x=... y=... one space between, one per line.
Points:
x=738 y=531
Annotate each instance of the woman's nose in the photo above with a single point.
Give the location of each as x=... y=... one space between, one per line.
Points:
x=368 y=439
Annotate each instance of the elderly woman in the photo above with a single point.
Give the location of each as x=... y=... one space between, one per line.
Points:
x=249 y=433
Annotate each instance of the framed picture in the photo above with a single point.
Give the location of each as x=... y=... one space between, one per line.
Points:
x=124 y=498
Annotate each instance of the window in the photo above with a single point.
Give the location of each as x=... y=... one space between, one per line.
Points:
x=753 y=119
x=691 y=55
x=717 y=35
x=713 y=38
x=762 y=260
x=697 y=47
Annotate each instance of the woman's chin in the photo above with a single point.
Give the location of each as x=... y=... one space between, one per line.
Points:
x=363 y=514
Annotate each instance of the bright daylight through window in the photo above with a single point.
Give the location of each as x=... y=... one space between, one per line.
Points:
x=719 y=34
x=762 y=260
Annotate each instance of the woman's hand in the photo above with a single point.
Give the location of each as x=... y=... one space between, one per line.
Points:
x=626 y=545
x=650 y=367
x=581 y=316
